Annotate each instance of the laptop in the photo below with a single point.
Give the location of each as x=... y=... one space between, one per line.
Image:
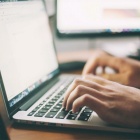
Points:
x=30 y=79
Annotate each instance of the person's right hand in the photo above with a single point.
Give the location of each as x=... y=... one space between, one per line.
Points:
x=127 y=71
x=114 y=103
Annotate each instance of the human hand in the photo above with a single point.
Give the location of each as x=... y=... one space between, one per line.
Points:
x=113 y=102
x=127 y=71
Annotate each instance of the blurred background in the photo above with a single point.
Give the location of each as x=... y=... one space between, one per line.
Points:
x=119 y=42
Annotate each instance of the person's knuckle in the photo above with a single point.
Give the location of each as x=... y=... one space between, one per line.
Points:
x=79 y=88
x=110 y=107
x=85 y=98
x=111 y=95
x=97 y=58
x=77 y=81
x=109 y=90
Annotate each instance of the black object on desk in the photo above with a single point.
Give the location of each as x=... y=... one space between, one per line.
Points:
x=3 y=131
x=72 y=65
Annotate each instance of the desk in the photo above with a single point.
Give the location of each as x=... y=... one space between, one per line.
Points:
x=29 y=132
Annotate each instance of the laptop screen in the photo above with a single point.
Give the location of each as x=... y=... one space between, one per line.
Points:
x=27 y=54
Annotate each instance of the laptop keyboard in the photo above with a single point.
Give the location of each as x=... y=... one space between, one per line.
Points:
x=52 y=108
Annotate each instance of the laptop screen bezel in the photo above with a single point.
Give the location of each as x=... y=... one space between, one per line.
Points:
x=12 y=110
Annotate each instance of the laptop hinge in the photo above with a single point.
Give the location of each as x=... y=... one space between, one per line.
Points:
x=39 y=94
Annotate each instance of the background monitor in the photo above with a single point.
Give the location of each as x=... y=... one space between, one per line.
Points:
x=98 y=17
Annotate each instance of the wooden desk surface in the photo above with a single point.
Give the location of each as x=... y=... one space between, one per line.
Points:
x=24 y=132
x=28 y=132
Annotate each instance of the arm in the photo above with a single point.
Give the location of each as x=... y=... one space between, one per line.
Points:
x=127 y=71
x=114 y=103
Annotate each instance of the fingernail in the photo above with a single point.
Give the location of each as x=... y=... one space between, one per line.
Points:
x=73 y=111
x=63 y=105
x=66 y=108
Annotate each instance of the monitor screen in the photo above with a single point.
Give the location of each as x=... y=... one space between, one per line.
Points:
x=98 y=17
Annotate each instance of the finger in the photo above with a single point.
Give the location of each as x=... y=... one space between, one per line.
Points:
x=103 y=69
x=80 y=91
x=100 y=60
x=96 y=79
x=119 y=78
x=75 y=84
x=69 y=90
x=88 y=100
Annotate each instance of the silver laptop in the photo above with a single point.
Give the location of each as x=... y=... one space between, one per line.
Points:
x=30 y=79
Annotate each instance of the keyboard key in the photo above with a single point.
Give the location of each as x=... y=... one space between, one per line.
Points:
x=54 y=110
x=58 y=106
x=57 y=96
x=87 y=110
x=42 y=103
x=31 y=113
x=74 y=113
x=52 y=102
x=43 y=111
x=34 y=110
x=39 y=114
x=63 y=109
x=61 y=101
x=83 y=118
x=62 y=115
x=39 y=105
x=51 y=114
x=61 y=93
x=54 y=99
x=46 y=107
x=85 y=114
x=71 y=117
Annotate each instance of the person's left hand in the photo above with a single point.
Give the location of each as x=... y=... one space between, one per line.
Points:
x=126 y=70
x=113 y=102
